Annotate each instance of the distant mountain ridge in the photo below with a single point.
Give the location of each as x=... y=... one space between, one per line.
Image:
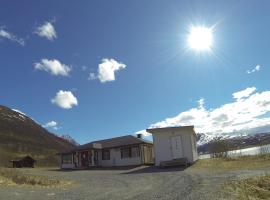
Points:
x=239 y=141
x=21 y=135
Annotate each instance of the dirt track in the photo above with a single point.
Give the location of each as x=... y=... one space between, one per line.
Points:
x=137 y=183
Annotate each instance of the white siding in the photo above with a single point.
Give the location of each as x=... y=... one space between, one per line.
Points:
x=116 y=160
x=194 y=147
x=67 y=166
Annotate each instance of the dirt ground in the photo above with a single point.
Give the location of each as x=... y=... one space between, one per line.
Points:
x=144 y=182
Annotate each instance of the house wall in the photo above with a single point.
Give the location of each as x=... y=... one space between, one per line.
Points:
x=194 y=147
x=67 y=166
x=163 y=148
x=116 y=160
x=147 y=154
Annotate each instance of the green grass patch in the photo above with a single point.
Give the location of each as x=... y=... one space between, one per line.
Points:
x=251 y=188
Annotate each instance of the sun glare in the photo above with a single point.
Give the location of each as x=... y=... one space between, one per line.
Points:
x=200 y=38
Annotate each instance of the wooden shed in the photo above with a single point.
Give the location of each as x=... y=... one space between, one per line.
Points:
x=26 y=161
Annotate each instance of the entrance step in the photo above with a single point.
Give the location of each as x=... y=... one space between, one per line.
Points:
x=175 y=162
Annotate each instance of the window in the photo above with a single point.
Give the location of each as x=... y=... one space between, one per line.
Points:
x=67 y=158
x=135 y=152
x=130 y=152
x=125 y=152
x=105 y=154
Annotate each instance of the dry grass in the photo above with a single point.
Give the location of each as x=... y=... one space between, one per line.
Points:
x=250 y=189
x=15 y=177
x=229 y=164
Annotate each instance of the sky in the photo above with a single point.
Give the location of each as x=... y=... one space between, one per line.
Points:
x=102 y=69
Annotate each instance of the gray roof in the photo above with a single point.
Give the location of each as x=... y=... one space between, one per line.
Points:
x=115 y=142
x=165 y=129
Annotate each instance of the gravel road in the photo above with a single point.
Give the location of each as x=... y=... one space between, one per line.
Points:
x=137 y=183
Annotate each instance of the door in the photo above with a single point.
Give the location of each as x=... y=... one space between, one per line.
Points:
x=84 y=159
x=177 y=149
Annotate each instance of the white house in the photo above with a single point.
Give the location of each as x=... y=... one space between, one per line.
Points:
x=119 y=151
x=174 y=143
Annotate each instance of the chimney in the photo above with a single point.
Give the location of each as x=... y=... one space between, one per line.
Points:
x=139 y=135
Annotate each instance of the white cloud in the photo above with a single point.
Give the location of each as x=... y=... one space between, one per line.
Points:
x=244 y=93
x=106 y=70
x=54 y=66
x=255 y=69
x=65 y=99
x=250 y=112
x=51 y=124
x=11 y=37
x=47 y=30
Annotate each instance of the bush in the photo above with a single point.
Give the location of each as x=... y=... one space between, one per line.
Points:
x=219 y=148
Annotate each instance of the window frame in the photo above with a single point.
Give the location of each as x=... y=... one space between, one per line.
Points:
x=66 y=160
x=129 y=152
x=103 y=154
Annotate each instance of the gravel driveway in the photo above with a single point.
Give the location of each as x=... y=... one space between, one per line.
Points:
x=137 y=183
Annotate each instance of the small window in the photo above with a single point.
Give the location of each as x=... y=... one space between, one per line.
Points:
x=130 y=152
x=125 y=152
x=67 y=158
x=135 y=152
x=105 y=154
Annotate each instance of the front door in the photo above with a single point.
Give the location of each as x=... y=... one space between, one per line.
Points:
x=84 y=159
x=177 y=149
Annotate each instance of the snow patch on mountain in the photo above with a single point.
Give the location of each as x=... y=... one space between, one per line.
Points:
x=69 y=139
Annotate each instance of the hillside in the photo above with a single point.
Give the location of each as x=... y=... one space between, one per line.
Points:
x=21 y=135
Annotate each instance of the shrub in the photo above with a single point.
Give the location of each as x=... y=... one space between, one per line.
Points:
x=219 y=148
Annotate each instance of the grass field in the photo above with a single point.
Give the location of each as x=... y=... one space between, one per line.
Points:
x=254 y=188
x=251 y=188
x=229 y=164
x=16 y=177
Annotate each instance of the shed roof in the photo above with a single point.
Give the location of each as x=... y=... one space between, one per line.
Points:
x=165 y=129
x=25 y=158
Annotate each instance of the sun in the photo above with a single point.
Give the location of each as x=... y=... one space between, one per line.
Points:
x=200 y=38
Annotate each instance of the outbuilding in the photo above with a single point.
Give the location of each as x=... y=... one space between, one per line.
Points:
x=26 y=161
x=174 y=145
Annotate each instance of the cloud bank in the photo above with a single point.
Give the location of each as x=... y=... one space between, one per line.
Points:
x=65 y=99
x=54 y=67
x=106 y=70
x=248 y=113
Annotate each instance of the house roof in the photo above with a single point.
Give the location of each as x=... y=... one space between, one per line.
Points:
x=114 y=142
x=159 y=130
x=25 y=158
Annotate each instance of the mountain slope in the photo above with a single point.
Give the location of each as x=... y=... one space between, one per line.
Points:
x=21 y=135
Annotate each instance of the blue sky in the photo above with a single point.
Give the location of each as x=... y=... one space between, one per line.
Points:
x=101 y=69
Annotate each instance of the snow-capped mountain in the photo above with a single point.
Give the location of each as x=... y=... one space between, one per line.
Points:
x=236 y=141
